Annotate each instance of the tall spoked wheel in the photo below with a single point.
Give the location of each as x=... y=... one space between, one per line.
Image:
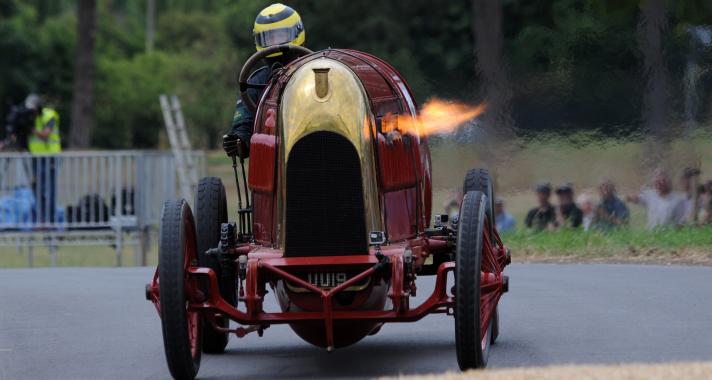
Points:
x=210 y=213
x=480 y=180
x=472 y=339
x=181 y=326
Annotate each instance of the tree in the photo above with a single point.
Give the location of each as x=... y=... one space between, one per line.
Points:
x=651 y=28
x=492 y=68
x=83 y=88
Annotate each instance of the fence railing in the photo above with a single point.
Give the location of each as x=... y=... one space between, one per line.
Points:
x=72 y=192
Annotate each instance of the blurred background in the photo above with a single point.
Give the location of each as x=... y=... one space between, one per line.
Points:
x=567 y=65
x=576 y=90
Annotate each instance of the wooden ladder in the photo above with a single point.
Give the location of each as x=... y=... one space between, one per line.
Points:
x=180 y=145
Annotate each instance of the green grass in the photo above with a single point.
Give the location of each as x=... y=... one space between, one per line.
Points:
x=690 y=245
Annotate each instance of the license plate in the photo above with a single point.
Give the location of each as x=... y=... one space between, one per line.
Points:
x=326 y=280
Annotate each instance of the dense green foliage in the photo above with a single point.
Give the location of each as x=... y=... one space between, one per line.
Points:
x=573 y=63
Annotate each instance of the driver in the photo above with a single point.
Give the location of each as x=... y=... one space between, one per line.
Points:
x=277 y=24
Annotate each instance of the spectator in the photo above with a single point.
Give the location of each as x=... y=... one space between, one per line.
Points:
x=452 y=204
x=586 y=205
x=44 y=144
x=567 y=214
x=612 y=211
x=688 y=185
x=504 y=220
x=664 y=207
x=18 y=125
x=543 y=216
x=706 y=203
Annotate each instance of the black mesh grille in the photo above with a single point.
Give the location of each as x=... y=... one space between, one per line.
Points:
x=325 y=214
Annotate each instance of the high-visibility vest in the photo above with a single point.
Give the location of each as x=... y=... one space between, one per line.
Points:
x=53 y=143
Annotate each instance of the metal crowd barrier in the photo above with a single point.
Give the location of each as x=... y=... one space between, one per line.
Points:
x=79 y=198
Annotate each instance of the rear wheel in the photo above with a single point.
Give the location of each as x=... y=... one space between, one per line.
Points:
x=181 y=327
x=495 y=325
x=210 y=213
x=472 y=341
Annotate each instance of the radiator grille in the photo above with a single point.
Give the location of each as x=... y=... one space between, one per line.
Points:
x=324 y=210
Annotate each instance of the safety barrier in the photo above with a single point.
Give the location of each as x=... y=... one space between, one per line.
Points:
x=95 y=197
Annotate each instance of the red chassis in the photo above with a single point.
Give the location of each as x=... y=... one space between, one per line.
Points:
x=268 y=266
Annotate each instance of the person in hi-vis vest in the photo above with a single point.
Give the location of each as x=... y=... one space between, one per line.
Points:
x=44 y=143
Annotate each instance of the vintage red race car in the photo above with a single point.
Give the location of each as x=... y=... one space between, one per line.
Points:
x=336 y=223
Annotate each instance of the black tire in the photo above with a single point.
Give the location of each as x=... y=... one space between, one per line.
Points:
x=480 y=180
x=472 y=348
x=210 y=213
x=181 y=328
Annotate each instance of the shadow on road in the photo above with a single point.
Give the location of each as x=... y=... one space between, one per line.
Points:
x=362 y=360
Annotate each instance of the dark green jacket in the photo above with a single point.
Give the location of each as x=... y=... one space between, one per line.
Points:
x=243 y=120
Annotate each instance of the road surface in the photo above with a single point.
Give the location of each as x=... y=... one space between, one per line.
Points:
x=94 y=323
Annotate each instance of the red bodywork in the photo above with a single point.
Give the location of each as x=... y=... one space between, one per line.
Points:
x=405 y=193
x=404 y=170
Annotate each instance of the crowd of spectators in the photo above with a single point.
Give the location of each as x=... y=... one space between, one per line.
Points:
x=603 y=209
x=665 y=206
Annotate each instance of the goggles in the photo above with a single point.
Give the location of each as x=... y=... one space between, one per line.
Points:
x=278 y=36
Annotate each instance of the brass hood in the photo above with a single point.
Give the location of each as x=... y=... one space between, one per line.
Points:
x=325 y=95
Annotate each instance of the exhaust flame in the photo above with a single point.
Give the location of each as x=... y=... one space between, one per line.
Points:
x=436 y=117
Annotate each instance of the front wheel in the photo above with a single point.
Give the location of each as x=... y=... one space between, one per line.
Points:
x=472 y=336
x=181 y=327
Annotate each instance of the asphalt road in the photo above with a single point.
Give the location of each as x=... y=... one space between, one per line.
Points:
x=94 y=323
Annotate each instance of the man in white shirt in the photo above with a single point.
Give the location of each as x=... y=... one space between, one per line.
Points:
x=664 y=207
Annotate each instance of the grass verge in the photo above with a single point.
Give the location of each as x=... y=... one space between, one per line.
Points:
x=674 y=246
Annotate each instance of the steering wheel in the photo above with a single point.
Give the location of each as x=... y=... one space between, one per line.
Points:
x=252 y=61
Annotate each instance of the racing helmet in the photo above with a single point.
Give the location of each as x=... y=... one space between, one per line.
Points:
x=278 y=24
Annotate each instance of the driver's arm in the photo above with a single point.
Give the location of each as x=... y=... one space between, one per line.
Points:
x=243 y=120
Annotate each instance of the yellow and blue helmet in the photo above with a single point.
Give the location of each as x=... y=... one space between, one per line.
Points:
x=278 y=24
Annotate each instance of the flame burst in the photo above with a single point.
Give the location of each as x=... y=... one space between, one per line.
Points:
x=436 y=117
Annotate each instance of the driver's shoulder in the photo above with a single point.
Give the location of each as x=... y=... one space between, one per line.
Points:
x=259 y=76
